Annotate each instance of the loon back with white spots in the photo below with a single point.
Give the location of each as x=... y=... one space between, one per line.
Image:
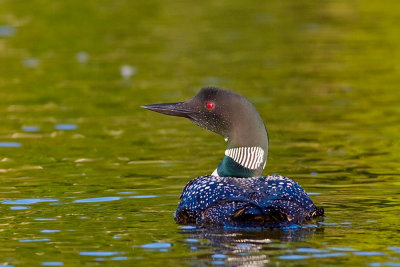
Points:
x=235 y=194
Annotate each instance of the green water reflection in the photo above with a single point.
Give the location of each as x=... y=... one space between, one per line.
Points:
x=87 y=177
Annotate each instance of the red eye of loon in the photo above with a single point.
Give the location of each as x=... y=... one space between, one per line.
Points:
x=210 y=105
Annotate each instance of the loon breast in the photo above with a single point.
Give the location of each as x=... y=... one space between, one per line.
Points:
x=270 y=201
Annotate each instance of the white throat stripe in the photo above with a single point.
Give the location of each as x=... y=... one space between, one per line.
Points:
x=248 y=157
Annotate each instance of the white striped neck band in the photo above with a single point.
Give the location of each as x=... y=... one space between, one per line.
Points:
x=248 y=157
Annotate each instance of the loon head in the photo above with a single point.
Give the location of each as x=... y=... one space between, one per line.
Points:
x=236 y=119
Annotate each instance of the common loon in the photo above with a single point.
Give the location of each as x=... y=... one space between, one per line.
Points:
x=236 y=194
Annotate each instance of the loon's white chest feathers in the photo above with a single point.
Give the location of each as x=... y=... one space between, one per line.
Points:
x=248 y=157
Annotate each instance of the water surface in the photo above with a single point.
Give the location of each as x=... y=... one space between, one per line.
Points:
x=89 y=178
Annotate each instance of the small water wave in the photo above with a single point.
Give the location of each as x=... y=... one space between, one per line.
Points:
x=50 y=231
x=34 y=240
x=293 y=257
x=330 y=255
x=66 y=126
x=106 y=199
x=82 y=57
x=31 y=62
x=368 y=253
x=27 y=201
x=52 y=263
x=218 y=256
x=10 y=144
x=143 y=196
x=162 y=246
x=188 y=227
x=327 y=223
x=30 y=129
x=313 y=193
x=244 y=246
x=7 y=31
x=96 y=199
x=99 y=253
x=127 y=71
x=390 y=264
x=395 y=249
x=341 y=248
x=310 y=250
x=19 y=208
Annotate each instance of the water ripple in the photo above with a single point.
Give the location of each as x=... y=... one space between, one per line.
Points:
x=34 y=240
x=10 y=144
x=49 y=231
x=44 y=219
x=329 y=255
x=66 y=126
x=218 y=256
x=27 y=201
x=392 y=264
x=52 y=263
x=342 y=248
x=395 y=249
x=310 y=250
x=158 y=245
x=31 y=62
x=7 y=31
x=293 y=257
x=19 y=208
x=82 y=57
x=368 y=253
x=96 y=199
x=188 y=227
x=144 y=196
x=243 y=246
x=98 y=253
x=127 y=71
x=30 y=129
x=327 y=223
x=106 y=199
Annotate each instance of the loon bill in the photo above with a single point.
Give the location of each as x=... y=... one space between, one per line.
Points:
x=236 y=193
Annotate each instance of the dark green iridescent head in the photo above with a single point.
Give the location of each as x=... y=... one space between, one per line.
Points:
x=228 y=114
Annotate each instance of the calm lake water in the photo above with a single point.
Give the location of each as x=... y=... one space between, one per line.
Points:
x=88 y=178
